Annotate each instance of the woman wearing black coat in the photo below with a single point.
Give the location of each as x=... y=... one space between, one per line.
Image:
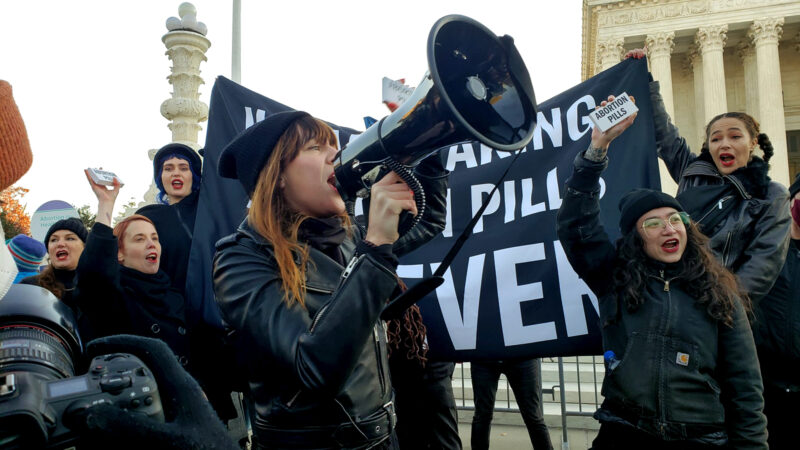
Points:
x=122 y=289
x=120 y=285
x=303 y=287
x=682 y=372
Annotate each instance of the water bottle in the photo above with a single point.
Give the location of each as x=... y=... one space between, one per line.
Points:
x=611 y=360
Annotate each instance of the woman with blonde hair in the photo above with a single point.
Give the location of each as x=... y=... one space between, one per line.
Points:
x=303 y=286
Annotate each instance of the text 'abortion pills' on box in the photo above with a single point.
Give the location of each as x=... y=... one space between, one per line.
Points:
x=613 y=113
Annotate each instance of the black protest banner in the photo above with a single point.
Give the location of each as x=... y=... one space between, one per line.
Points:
x=511 y=291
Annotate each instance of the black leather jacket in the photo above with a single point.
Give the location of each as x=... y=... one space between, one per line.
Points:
x=314 y=372
x=752 y=240
x=714 y=391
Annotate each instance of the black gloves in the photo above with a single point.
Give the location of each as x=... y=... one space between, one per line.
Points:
x=190 y=420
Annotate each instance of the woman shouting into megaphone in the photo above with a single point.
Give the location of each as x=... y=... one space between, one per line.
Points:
x=302 y=286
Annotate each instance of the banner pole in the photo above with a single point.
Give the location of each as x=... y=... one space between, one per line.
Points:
x=236 y=42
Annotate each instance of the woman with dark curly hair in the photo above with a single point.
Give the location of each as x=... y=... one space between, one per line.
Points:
x=682 y=369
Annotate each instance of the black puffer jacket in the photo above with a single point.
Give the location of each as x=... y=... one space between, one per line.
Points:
x=713 y=391
x=753 y=239
x=318 y=375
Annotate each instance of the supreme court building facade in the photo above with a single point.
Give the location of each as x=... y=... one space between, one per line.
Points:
x=710 y=56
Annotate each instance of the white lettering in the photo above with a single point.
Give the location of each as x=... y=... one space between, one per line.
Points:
x=510 y=294
x=477 y=199
x=462 y=325
x=573 y=289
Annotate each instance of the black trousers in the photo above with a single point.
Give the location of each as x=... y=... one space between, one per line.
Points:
x=426 y=410
x=780 y=407
x=613 y=436
x=523 y=377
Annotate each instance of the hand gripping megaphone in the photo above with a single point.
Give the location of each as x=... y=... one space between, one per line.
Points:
x=476 y=89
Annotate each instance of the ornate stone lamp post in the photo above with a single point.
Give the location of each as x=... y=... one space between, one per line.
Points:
x=186 y=47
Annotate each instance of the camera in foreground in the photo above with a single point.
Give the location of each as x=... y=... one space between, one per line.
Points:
x=41 y=398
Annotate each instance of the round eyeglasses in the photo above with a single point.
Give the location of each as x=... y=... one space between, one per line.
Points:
x=653 y=226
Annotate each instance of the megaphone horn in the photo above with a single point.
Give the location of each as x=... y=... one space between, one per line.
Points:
x=476 y=89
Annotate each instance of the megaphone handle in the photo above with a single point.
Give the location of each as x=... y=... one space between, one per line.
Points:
x=406 y=175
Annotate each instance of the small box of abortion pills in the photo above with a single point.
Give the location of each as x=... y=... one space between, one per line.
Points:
x=103 y=177
x=613 y=113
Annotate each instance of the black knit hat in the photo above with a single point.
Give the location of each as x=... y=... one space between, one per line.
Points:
x=795 y=187
x=245 y=156
x=639 y=201
x=175 y=149
x=72 y=224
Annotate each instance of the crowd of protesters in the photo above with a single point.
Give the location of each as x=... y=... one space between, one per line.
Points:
x=699 y=299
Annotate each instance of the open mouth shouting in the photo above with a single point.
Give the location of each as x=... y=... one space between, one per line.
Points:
x=177 y=184
x=62 y=255
x=332 y=181
x=151 y=257
x=727 y=159
x=670 y=245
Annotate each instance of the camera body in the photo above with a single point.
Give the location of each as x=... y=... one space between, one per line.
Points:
x=40 y=396
x=31 y=402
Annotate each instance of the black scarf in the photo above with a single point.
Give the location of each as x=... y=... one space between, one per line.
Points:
x=153 y=291
x=325 y=235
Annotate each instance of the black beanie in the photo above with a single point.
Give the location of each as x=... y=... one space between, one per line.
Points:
x=72 y=224
x=639 y=201
x=245 y=156
x=795 y=187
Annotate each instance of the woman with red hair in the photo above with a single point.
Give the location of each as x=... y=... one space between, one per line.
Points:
x=120 y=286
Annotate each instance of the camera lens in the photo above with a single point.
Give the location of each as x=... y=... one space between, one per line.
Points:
x=37 y=333
x=28 y=348
x=38 y=343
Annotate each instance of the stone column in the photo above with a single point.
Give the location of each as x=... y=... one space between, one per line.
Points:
x=186 y=47
x=711 y=40
x=765 y=34
x=696 y=63
x=659 y=51
x=610 y=52
x=747 y=53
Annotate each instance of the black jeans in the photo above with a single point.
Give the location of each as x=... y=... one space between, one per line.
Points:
x=524 y=378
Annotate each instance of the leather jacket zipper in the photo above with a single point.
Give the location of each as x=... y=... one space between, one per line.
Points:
x=379 y=358
x=717 y=205
x=345 y=274
x=726 y=249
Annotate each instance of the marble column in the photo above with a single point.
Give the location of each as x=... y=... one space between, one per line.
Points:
x=610 y=52
x=765 y=34
x=186 y=47
x=696 y=62
x=659 y=51
x=746 y=52
x=711 y=40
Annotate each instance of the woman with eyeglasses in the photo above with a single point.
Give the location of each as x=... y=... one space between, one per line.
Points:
x=728 y=192
x=682 y=371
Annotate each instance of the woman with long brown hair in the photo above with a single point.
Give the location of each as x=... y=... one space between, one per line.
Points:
x=303 y=287
x=682 y=370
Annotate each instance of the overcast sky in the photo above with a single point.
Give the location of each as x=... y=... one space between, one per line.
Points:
x=89 y=76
